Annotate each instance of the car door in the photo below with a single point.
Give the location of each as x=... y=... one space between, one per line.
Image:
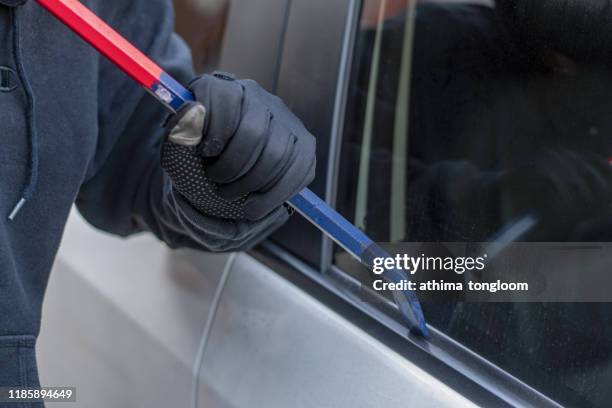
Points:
x=294 y=325
x=290 y=327
x=123 y=319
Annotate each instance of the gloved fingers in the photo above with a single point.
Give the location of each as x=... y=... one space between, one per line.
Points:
x=242 y=144
x=245 y=147
x=283 y=165
x=185 y=166
x=282 y=114
x=268 y=169
x=182 y=163
x=223 y=99
x=298 y=175
x=186 y=126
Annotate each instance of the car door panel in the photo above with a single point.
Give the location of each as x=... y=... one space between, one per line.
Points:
x=253 y=40
x=309 y=83
x=274 y=345
x=124 y=317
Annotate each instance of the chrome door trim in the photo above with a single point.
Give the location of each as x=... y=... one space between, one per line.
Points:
x=337 y=130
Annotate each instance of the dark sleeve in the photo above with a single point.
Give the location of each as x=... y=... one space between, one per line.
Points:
x=125 y=190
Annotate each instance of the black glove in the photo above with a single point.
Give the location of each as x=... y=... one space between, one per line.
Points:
x=239 y=153
x=561 y=187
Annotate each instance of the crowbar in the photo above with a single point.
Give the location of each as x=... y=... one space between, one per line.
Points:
x=173 y=95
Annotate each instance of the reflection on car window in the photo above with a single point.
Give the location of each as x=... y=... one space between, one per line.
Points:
x=469 y=119
x=201 y=23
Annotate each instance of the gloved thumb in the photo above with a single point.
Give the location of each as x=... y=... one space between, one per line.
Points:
x=186 y=127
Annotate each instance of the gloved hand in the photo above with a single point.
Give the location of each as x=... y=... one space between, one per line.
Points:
x=238 y=153
x=561 y=187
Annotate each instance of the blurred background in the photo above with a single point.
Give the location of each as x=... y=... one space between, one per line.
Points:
x=202 y=23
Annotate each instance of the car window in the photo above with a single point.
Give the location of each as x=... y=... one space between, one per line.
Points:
x=473 y=121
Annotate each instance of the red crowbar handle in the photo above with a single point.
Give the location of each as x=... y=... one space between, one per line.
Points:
x=120 y=51
x=172 y=94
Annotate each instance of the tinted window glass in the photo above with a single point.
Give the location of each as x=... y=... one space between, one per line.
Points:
x=473 y=121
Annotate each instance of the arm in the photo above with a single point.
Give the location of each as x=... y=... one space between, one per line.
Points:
x=126 y=190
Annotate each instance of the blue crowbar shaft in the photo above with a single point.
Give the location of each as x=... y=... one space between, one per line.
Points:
x=173 y=95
